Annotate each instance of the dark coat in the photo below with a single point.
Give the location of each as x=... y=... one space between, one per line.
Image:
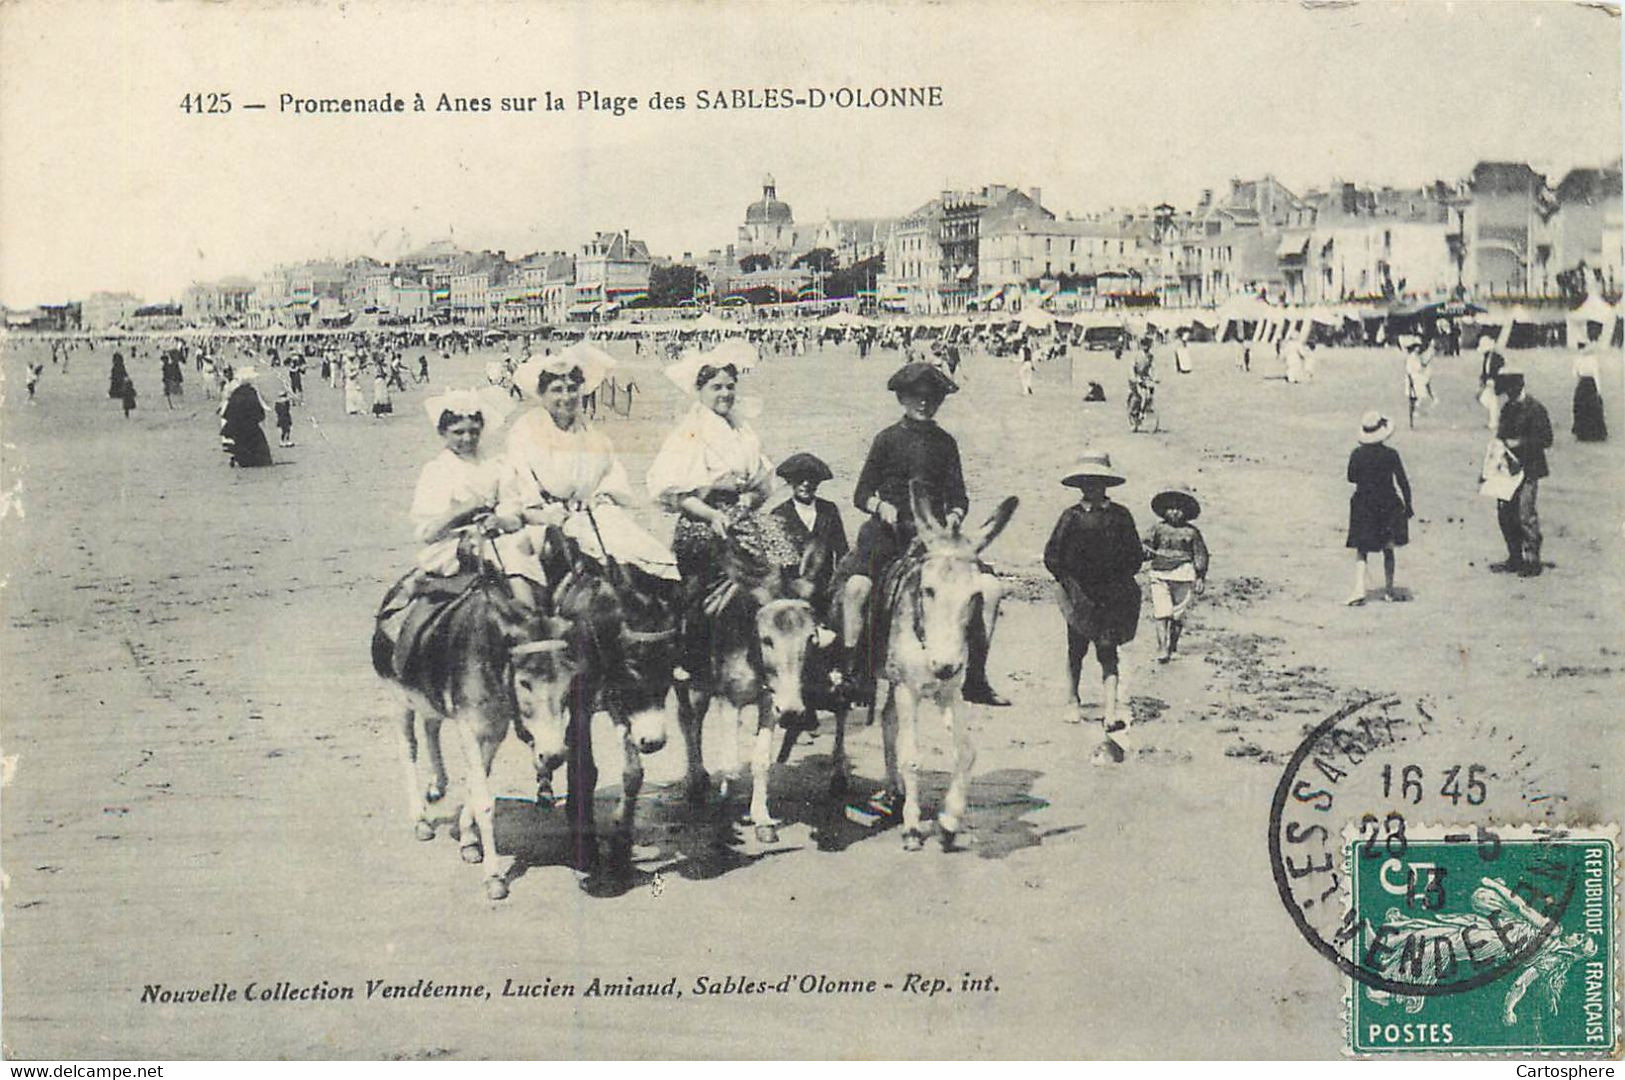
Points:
x=827 y=531
x=912 y=451
x=1525 y=419
x=243 y=416
x=1094 y=554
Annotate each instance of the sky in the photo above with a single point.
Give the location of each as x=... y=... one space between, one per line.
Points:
x=107 y=184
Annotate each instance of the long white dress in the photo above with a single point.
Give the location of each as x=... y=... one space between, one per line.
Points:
x=450 y=484
x=577 y=469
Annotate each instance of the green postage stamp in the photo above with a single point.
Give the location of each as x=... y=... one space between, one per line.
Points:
x=1475 y=940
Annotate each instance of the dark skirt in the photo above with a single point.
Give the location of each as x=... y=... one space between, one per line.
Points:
x=247 y=445
x=1102 y=612
x=1589 y=423
x=1375 y=524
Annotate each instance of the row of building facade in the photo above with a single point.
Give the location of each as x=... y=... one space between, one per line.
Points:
x=1501 y=233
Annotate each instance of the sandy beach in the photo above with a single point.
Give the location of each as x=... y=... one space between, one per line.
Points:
x=202 y=784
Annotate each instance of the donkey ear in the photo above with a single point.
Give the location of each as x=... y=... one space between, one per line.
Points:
x=813 y=561
x=985 y=533
x=555 y=628
x=925 y=516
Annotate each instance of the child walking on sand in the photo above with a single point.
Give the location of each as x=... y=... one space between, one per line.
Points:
x=284 y=419
x=1094 y=553
x=1179 y=561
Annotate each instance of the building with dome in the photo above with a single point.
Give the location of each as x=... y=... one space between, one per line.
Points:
x=769 y=232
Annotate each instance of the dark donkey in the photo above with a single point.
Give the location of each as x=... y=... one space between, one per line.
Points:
x=623 y=637
x=478 y=656
x=751 y=647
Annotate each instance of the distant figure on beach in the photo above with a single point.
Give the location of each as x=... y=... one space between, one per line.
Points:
x=172 y=378
x=1490 y=366
x=1380 y=508
x=117 y=377
x=1182 y=354
x=34 y=372
x=1419 y=377
x=242 y=412
x=1589 y=423
x=355 y=403
x=1292 y=356
x=1526 y=432
x=283 y=407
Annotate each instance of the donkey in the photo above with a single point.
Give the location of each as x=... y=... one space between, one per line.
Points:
x=755 y=651
x=926 y=651
x=485 y=661
x=624 y=635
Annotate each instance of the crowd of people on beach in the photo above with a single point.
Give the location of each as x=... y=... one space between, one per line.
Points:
x=714 y=475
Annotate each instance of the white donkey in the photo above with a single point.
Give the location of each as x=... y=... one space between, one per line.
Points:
x=926 y=651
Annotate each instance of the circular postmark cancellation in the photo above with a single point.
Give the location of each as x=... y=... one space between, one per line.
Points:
x=1441 y=910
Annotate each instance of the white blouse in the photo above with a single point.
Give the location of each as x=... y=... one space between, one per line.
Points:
x=578 y=465
x=706 y=453
x=449 y=484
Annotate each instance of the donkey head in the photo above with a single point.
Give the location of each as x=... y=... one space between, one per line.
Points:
x=545 y=660
x=951 y=581
x=633 y=648
x=784 y=629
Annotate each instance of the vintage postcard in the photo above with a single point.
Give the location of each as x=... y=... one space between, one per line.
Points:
x=893 y=530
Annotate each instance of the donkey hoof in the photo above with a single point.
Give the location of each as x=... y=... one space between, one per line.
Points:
x=471 y=853
x=423 y=830
x=496 y=888
x=913 y=840
x=949 y=839
x=434 y=793
x=767 y=834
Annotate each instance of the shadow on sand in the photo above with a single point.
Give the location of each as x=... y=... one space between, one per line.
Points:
x=676 y=837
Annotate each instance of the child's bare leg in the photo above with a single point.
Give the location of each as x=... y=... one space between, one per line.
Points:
x=1388 y=572
x=1107 y=655
x=1358 y=595
x=1076 y=647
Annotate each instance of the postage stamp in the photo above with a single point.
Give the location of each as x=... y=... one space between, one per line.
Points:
x=1481 y=940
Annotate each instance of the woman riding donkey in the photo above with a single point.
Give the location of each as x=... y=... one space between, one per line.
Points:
x=748 y=622
x=913 y=450
x=564 y=474
x=454 y=639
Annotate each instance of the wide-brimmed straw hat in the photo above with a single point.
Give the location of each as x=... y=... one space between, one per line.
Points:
x=1375 y=427
x=921 y=378
x=1180 y=496
x=1092 y=466
x=803 y=466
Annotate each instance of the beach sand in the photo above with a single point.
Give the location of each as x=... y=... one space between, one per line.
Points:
x=202 y=783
